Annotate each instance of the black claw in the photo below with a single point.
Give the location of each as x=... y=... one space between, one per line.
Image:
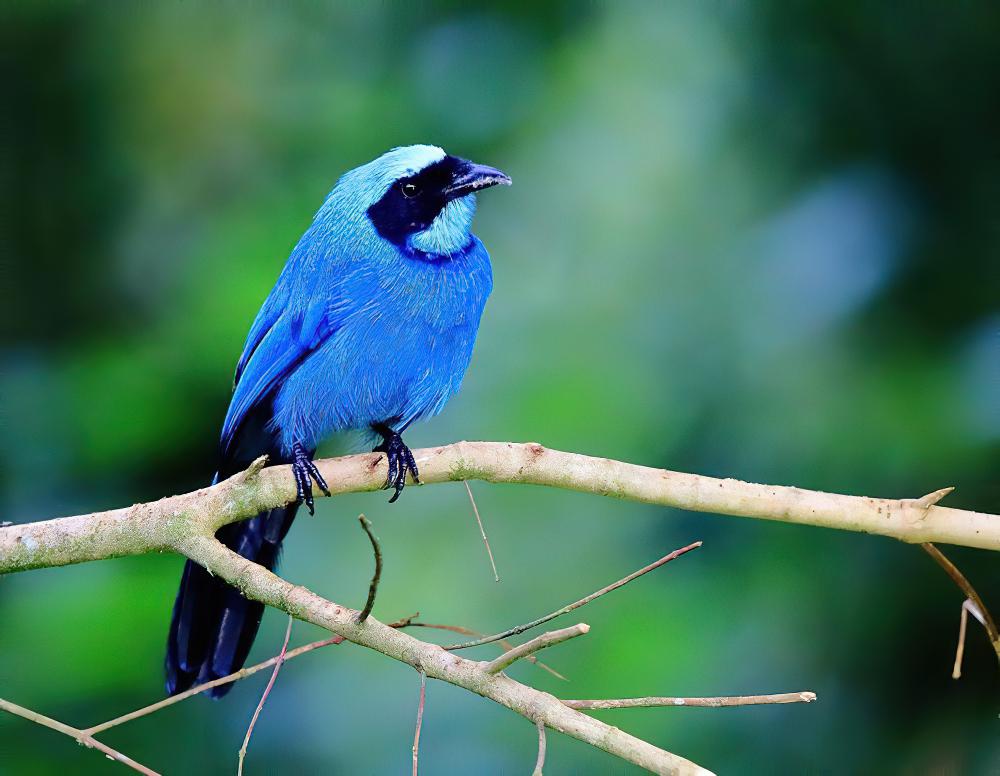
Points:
x=393 y=470
x=412 y=465
x=319 y=479
x=305 y=472
x=400 y=460
x=300 y=490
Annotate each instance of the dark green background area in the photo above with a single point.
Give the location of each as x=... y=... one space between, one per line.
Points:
x=749 y=240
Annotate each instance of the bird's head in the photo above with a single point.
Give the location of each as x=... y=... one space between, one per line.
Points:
x=419 y=198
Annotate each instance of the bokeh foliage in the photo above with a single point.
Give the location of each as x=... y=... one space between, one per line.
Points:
x=753 y=240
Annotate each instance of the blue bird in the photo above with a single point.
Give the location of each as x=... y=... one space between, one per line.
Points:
x=369 y=327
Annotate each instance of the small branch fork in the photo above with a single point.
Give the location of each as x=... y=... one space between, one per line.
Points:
x=549 y=639
x=82 y=736
x=973 y=603
x=412 y=622
x=576 y=604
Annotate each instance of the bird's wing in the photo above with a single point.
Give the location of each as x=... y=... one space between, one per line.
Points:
x=269 y=313
x=279 y=341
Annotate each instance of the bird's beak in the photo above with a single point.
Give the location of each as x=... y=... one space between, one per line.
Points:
x=470 y=177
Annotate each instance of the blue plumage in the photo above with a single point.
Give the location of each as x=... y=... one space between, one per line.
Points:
x=370 y=327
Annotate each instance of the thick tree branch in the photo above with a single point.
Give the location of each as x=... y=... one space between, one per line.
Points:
x=160 y=525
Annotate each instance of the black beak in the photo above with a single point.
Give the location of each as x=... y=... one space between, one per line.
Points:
x=470 y=177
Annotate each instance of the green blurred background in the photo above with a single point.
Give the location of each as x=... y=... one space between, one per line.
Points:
x=749 y=240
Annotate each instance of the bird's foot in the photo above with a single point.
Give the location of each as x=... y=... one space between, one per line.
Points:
x=400 y=460
x=305 y=472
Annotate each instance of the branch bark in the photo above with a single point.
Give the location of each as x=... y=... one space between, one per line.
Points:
x=162 y=524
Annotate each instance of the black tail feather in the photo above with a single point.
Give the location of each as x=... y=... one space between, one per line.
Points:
x=213 y=625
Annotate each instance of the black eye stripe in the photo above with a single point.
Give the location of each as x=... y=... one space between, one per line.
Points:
x=404 y=211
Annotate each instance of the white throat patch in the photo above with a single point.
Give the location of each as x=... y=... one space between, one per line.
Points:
x=449 y=232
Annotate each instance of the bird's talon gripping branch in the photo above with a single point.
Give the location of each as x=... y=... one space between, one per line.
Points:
x=305 y=472
x=400 y=459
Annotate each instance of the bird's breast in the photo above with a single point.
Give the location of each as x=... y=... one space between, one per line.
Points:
x=401 y=353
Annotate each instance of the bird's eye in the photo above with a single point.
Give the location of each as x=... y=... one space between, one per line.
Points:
x=410 y=190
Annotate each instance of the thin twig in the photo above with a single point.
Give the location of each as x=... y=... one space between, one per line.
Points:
x=968 y=607
x=970 y=592
x=267 y=691
x=409 y=622
x=403 y=622
x=714 y=702
x=82 y=736
x=373 y=587
x=540 y=760
x=243 y=673
x=441 y=626
x=577 y=604
x=539 y=642
x=956 y=670
x=482 y=531
x=420 y=721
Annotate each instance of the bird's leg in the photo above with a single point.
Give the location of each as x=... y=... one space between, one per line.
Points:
x=305 y=472
x=399 y=458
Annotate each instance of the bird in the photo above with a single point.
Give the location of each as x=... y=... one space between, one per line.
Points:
x=370 y=327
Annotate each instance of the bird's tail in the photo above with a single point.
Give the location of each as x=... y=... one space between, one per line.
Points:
x=213 y=625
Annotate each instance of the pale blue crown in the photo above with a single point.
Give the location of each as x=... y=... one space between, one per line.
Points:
x=362 y=187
